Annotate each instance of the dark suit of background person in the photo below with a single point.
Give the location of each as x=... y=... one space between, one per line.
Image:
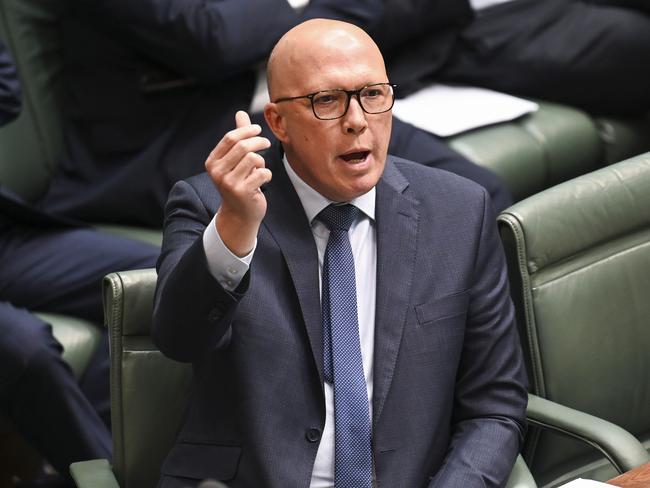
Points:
x=54 y=265
x=151 y=85
x=593 y=55
x=446 y=352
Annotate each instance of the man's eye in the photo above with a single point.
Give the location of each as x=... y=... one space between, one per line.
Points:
x=372 y=93
x=326 y=99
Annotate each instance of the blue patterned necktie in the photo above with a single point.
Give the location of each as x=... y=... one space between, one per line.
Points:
x=342 y=353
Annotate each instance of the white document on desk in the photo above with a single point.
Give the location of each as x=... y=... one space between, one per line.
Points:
x=446 y=110
x=580 y=483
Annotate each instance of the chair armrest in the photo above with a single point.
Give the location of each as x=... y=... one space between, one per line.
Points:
x=620 y=447
x=93 y=474
x=520 y=477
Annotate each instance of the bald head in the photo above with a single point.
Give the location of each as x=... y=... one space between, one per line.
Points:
x=341 y=157
x=317 y=44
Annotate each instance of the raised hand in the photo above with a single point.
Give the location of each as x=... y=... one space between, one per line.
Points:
x=238 y=172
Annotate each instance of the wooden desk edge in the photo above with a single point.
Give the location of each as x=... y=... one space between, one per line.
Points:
x=637 y=478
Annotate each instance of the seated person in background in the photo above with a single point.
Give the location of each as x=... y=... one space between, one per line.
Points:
x=53 y=265
x=151 y=85
x=410 y=373
x=593 y=55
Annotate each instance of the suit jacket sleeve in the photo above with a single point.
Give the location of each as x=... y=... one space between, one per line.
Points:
x=192 y=312
x=210 y=40
x=491 y=394
x=10 y=96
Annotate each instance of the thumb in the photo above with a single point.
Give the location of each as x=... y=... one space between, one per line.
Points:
x=242 y=119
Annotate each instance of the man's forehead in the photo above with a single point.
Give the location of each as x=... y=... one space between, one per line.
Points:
x=334 y=53
x=314 y=72
x=322 y=35
x=311 y=51
x=339 y=40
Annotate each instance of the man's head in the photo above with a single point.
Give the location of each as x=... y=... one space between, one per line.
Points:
x=344 y=157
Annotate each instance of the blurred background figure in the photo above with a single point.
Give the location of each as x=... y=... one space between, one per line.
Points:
x=55 y=265
x=590 y=54
x=151 y=86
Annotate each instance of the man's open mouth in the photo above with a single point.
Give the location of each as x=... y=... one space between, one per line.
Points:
x=355 y=157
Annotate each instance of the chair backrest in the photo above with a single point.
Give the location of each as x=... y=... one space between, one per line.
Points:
x=148 y=391
x=579 y=261
x=30 y=146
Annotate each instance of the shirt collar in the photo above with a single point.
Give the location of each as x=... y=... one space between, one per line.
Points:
x=313 y=202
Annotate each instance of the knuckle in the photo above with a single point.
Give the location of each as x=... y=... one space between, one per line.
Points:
x=210 y=163
x=250 y=158
x=228 y=183
x=216 y=176
x=230 y=138
x=259 y=160
x=255 y=160
x=243 y=145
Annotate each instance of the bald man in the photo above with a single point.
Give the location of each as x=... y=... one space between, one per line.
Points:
x=410 y=373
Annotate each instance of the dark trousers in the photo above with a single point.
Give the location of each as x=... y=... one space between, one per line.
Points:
x=590 y=55
x=57 y=271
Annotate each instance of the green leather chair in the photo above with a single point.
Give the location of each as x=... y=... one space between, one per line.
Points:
x=579 y=264
x=149 y=392
x=552 y=145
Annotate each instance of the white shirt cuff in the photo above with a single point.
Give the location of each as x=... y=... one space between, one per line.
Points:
x=224 y=266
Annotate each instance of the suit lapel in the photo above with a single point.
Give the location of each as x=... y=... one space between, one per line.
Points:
x=286 y=221
x=397 y=218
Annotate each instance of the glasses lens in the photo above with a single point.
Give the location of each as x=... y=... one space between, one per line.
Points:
x=329 y=104
x=377 y=98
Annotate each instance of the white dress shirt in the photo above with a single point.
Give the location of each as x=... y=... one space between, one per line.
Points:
x=229 y=270
x=481 y=4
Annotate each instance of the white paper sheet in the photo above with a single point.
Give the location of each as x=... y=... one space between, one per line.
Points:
x=581 y=483
x=446 y=110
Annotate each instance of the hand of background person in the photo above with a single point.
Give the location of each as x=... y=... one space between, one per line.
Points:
x=10 y=94
x=238 y=172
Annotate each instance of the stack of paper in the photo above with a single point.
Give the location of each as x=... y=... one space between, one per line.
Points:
x=446 y=110
x=580 y=483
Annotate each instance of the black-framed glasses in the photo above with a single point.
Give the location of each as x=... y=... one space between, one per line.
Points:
x=375 y=98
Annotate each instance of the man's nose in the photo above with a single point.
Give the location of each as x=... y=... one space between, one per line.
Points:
x=354 y=121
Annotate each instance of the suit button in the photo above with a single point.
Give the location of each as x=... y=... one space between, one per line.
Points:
x=214 y=314
x=313 y=435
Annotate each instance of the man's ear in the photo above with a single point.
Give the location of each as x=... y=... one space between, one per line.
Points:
x=276 y=121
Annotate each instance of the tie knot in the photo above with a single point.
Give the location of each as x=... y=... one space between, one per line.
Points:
x=339 y=217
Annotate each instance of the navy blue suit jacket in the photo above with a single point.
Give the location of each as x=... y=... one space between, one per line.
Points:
x=449 y=384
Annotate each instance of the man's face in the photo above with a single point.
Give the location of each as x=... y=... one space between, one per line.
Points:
x=345 y=157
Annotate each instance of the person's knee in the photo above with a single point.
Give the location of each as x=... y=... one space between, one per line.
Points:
x=27 y=346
